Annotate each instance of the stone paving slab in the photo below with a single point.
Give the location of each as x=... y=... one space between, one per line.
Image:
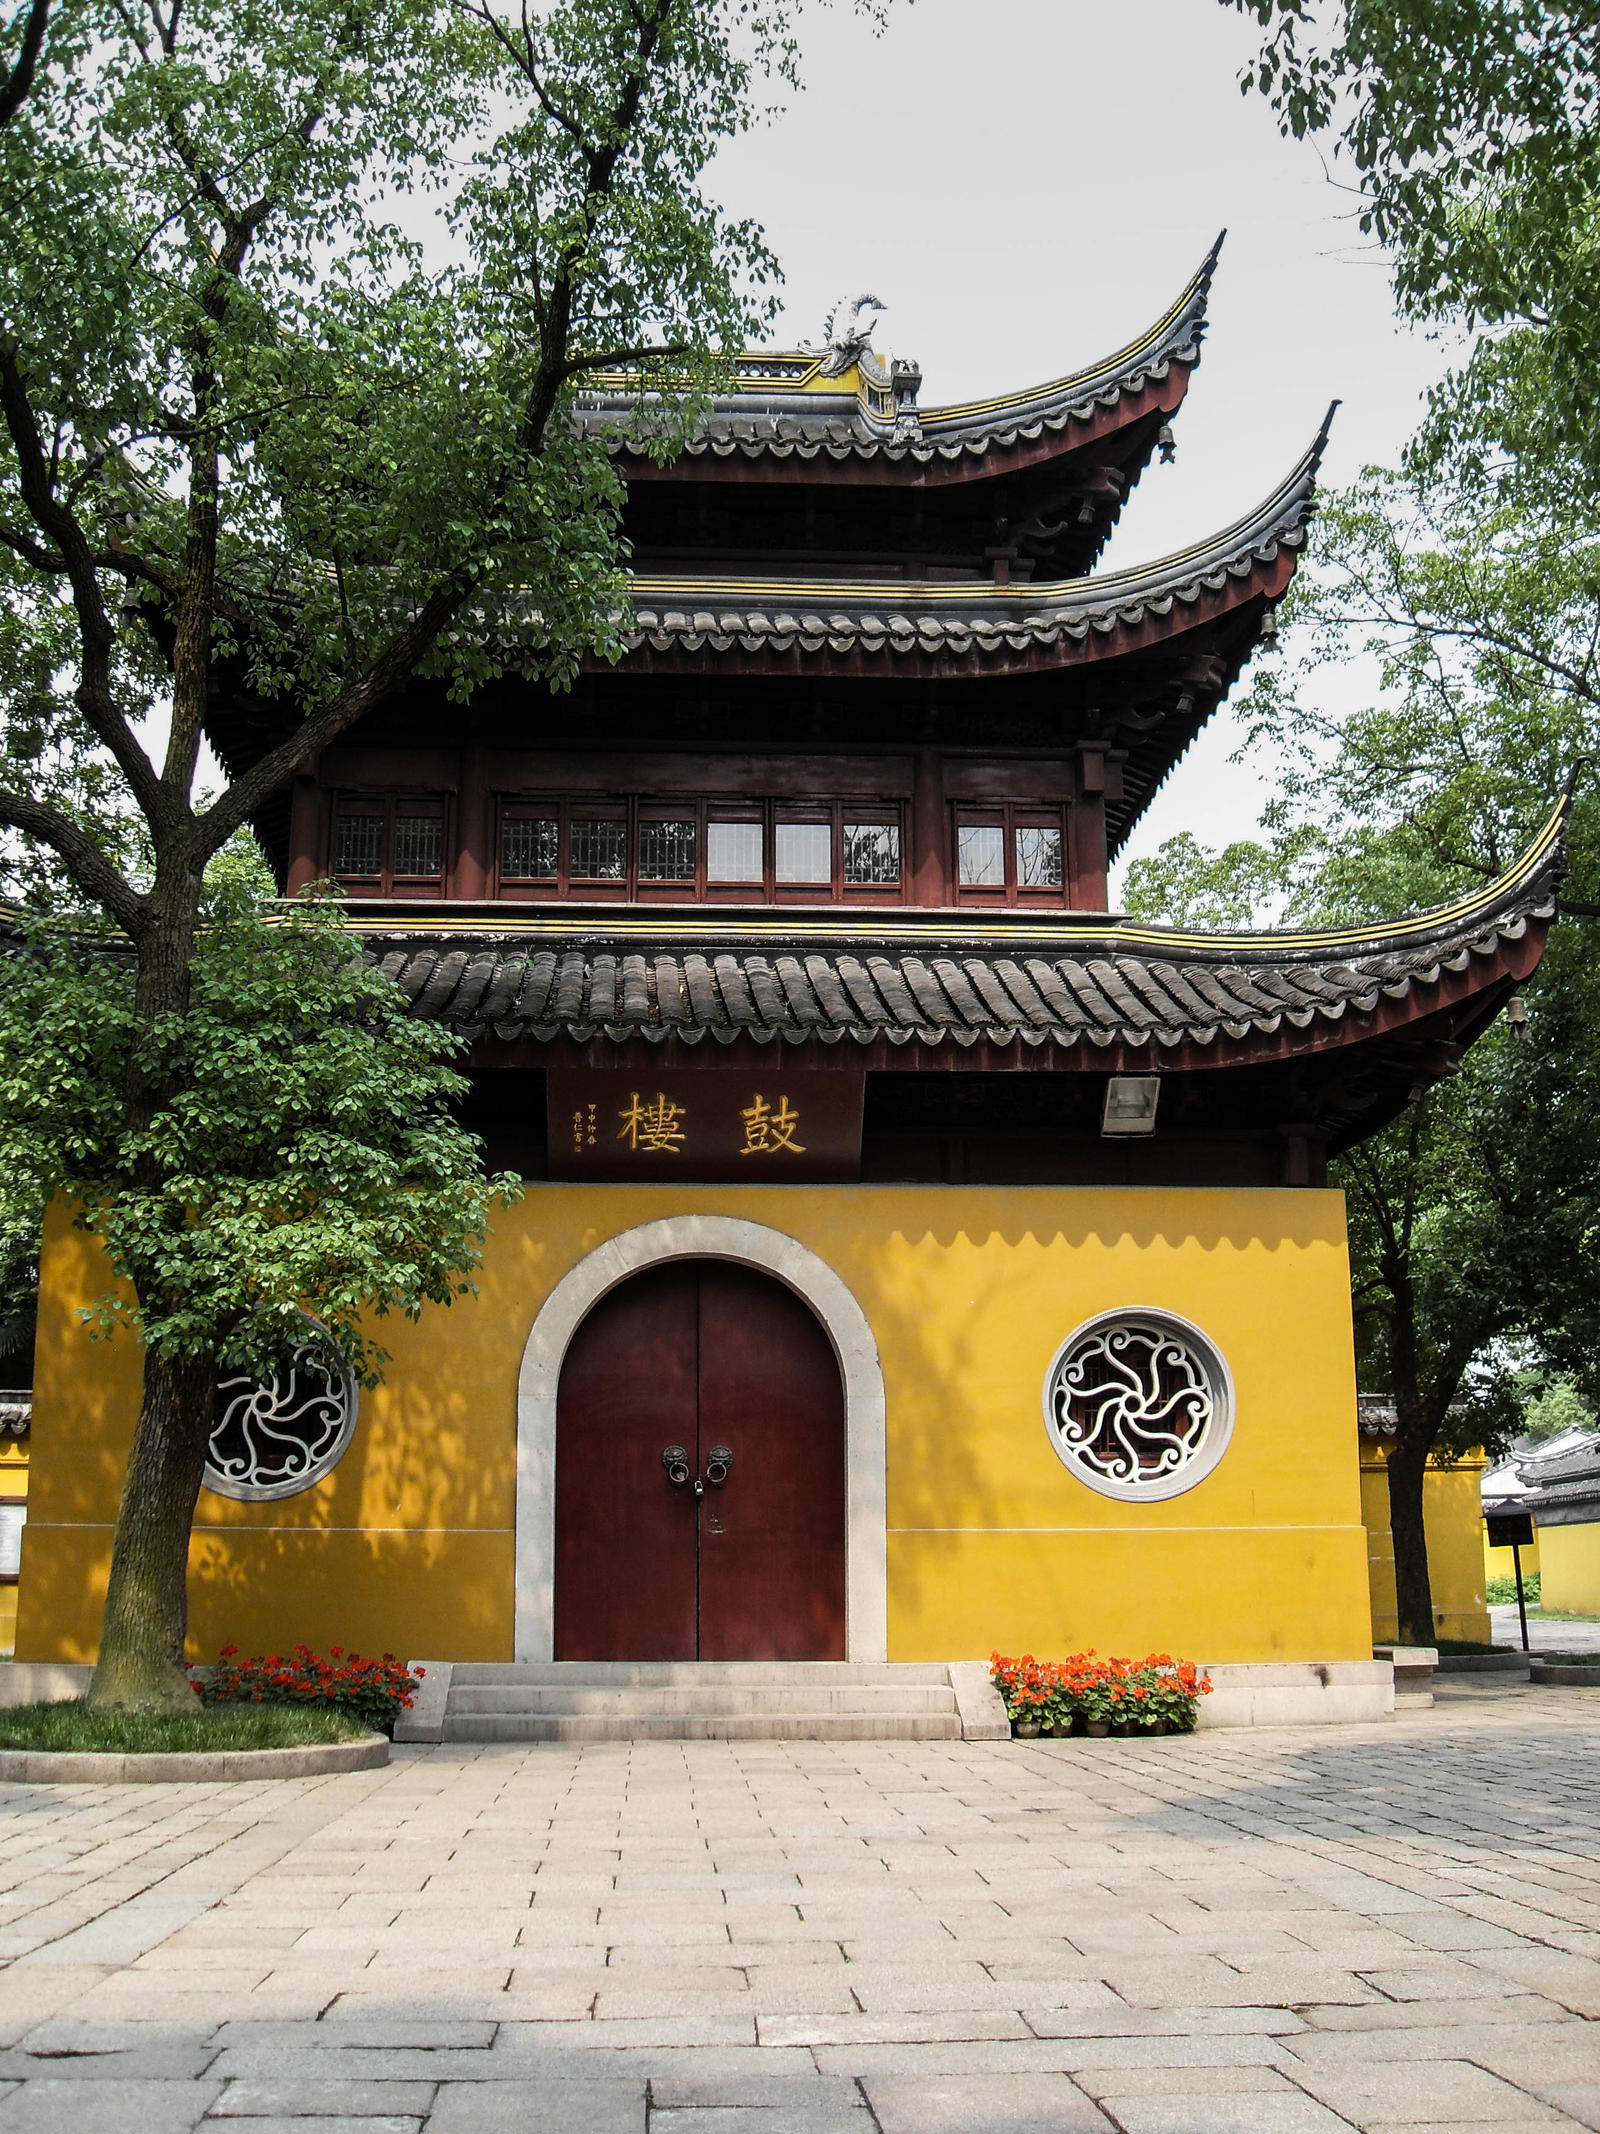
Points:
x=321 y=2124
x=1379 y=1927
x=545 y=2108
x=963 y=2104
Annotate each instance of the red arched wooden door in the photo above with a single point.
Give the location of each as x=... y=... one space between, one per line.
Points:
x=700 y=1354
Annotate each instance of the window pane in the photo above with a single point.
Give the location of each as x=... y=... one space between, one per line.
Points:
x=981 y=856
x=599 y=851
x=1038 y=859
x=528 y=848
x=872 y=852
x=805 y=852
x=418 y=844
x=358 y=847
x=733 y=852
x=666 y=851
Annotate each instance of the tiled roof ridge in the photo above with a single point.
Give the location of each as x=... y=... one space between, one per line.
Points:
x=966 y=429
x=776 y=615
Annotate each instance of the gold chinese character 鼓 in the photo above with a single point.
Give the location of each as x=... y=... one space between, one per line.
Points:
x=766 y=1131
x=652 y=1129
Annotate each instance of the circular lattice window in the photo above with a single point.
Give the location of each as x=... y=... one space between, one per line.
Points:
x=1138 y=1404
x=274 y=1435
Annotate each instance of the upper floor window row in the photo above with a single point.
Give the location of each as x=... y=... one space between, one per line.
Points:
x=397 y=845
x=820 y=851
x=823 y=848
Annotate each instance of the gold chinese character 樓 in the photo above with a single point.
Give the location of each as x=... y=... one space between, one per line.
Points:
x=766 y=1131
x=652 y=1129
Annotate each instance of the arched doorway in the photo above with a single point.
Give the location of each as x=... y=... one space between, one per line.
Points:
x=700 y=1354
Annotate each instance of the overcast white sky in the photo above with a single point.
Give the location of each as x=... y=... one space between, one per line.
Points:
x=1027 y=184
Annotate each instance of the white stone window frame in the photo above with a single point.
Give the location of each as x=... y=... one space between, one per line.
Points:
x=1219 y=1432
x=237 y=1492
x=13 y=1519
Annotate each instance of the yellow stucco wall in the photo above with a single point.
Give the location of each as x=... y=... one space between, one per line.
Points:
x=408 y=1544
x=1453 y=1517
x=1570 y=1568
x=13 y=1484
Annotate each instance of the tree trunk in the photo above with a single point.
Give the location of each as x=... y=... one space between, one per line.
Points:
x=146 y=1614
x=1408 y=1465
x=147 y=1598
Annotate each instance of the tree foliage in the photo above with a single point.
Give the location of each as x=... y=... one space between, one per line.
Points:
x=1476 y=622
x=296 y=306
x=1551 y=1406
x=1472 y=128
x=310 y=1157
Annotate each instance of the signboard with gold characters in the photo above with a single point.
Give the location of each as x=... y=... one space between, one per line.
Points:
x=720 y=1124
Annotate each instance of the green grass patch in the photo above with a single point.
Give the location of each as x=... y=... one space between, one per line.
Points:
x=1571 y=1659
x=215 y=1728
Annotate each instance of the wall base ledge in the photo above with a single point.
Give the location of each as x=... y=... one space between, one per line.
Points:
x=43 y=1682
x=425 y=1720
x=1297 y=1693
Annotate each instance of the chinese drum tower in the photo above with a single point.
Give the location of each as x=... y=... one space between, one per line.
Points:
x=916 y=1258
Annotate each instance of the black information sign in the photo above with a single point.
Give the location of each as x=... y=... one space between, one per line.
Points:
x=1509 y=1530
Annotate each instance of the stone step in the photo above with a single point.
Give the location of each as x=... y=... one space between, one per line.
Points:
x=694 y=1674
x=509 y=1699
x=703 y=1726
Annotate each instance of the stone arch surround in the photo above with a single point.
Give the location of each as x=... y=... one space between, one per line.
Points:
x=703 y=1237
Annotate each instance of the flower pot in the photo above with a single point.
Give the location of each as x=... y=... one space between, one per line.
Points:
x=1097 y=1729
x=1155 y=1726
x=1025 y=1729
x=1125 y=1729
x=1059 y=1729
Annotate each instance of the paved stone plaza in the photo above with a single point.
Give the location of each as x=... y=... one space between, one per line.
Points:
x=1282 y=1931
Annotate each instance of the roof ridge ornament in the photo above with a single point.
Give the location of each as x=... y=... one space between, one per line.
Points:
x=846 y=338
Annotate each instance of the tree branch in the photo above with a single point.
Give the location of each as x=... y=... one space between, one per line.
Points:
x=600 y=172
x=399 y=658
x=82 y=857
x=94 y=694
x=615 y=358
x=15 y=87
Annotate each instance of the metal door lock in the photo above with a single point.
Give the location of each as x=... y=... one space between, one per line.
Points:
x=675 y=1459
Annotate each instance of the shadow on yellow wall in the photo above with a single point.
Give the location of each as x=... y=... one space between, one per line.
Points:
x=1453 y=1519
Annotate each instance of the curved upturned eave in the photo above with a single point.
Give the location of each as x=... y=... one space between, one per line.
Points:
x=1177 y=330
x=958 y=442
x=974 y=619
